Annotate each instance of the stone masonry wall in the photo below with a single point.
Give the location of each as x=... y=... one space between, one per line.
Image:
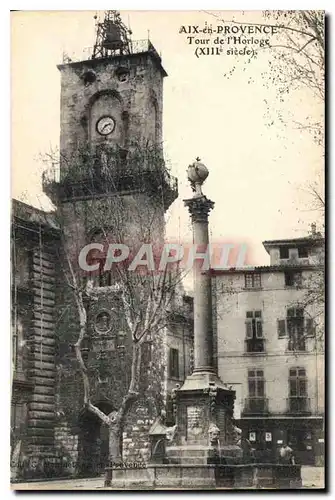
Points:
x=66 y=449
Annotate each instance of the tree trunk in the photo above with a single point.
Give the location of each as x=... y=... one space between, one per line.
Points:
x=115 y=443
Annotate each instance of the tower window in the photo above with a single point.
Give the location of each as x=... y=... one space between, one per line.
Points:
x=123 y=76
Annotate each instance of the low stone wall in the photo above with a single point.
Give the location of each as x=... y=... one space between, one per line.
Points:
x=249 y=476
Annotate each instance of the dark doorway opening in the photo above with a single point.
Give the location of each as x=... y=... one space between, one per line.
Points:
x=93 y=442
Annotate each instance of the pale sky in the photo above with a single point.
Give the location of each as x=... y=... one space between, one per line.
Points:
x=256 y=172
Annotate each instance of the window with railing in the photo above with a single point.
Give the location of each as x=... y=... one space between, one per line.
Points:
x=256 y=402
x=254 y=332
x=256 y=384
x=296 y=328
x=256 y=405
x=298 y=401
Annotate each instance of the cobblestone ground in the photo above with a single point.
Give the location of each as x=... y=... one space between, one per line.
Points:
x=312 y=477
x=65 y=484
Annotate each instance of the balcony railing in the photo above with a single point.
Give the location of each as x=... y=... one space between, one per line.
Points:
x=254 y=345
x=134 y=47
x=85 y=180
x=256 y=406
x=296 y=345
x=298 y=405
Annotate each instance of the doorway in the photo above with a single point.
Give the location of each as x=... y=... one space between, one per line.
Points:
x=93 y=442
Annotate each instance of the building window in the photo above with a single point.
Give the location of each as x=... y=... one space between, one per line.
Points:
x=256 y=384
x=22 y=264
x=298 y=382
x=295 y=329
x=302 y=252
x=252 y=280
x=174 y=363
x=283 y=253
x=293 y=278
x=254 y=332
x=256 y=403
x=298 y=390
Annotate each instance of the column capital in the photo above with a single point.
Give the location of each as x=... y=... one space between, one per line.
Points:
x=199 y=208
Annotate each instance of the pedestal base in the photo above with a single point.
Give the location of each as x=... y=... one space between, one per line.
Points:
x=203 y=401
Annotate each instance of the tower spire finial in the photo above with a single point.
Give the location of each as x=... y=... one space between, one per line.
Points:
x=112 y=36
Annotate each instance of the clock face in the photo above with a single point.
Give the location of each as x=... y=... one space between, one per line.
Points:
x=105 y=125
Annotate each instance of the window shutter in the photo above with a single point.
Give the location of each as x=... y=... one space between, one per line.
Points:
x=310 y=327
x=281 y=327
x=293 y=387
x=259 y=330
x=260 y=388
x=248 y=325
x=302 y=387
x=252 y=388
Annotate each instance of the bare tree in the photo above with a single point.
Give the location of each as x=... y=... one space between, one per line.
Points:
x=146 y=296
x=314 y=295
x=296 y=62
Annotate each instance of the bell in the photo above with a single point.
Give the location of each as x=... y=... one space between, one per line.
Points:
x=112 y=40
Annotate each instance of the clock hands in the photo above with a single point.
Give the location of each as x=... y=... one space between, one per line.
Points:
x=107 y=125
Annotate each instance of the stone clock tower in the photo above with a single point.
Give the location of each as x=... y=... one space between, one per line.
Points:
x=112 y=185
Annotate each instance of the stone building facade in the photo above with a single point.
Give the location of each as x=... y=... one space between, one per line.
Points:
x=35 y=236
x=270 y=331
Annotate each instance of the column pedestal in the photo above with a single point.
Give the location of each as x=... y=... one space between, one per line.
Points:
x=203 y=401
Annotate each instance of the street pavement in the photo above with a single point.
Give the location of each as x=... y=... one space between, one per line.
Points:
x=312 y=477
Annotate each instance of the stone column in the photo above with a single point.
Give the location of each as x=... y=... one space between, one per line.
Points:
x=199 y=208
x=204 y=404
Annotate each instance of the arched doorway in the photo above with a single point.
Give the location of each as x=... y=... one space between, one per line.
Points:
x=93 y=441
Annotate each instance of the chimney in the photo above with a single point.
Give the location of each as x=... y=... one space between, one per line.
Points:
x=313 y=229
